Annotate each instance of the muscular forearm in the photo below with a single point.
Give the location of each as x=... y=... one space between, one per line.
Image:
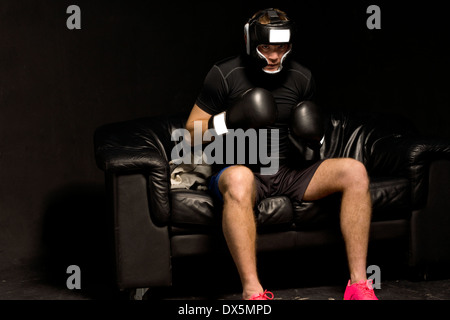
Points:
x=197 y=124
x=197 y=127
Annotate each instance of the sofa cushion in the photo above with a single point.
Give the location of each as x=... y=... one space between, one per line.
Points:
x=391 y=200
x=274 y=212
x=192 y=207
x=317 y=214
x=197 y=208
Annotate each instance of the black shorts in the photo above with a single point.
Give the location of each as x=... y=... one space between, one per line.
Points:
x=291 y=182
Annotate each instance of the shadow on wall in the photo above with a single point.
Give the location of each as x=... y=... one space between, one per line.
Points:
x=78 y=231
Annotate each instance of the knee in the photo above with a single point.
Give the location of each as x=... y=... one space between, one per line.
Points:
x=354 y=174
x=237 y=183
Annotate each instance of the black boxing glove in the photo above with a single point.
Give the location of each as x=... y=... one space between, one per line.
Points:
x=307 y=124
x=256 y=108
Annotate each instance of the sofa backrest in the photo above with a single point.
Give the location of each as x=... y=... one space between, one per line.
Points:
x=352 y=135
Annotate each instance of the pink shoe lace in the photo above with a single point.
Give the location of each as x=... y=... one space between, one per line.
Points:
x=262 y=296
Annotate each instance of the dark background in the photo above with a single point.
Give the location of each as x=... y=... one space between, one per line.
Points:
x=141 y=58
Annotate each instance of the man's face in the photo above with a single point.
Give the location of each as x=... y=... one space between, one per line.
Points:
x=273 y=54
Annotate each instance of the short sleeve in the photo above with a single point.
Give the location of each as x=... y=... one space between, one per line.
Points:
x=214 y=92
x=310 y=90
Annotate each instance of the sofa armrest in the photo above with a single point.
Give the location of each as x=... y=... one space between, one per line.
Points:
x=126 y=159
x=133 y=147
x=148 y=162
x=421 y=154
x=430 y=224
x=408 y=157
x=142 y=247
x=128 y=146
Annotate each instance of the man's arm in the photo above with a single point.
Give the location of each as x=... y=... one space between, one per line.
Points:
x=255 y=108
x=197 y=114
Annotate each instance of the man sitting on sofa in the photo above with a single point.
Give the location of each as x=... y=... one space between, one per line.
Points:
x=264 y=88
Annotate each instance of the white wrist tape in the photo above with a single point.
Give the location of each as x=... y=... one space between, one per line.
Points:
x=219 y=123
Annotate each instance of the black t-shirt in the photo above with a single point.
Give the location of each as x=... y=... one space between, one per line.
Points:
x=229 y=78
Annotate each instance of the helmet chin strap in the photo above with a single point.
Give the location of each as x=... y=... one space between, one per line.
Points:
x=281 y=62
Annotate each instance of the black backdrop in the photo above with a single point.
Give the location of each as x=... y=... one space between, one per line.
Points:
x=141 y=58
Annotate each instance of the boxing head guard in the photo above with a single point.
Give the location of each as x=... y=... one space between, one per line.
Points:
x=278 y=30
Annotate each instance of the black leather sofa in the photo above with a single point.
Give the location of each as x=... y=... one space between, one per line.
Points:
x=410 y=188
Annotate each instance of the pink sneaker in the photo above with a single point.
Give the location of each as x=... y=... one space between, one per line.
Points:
x=262 y=296
x=361 y=290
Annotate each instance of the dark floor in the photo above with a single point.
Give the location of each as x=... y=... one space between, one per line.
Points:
x=203 y=279
x=25 y=285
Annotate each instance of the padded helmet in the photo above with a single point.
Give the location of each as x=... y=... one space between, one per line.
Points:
x=279 y=30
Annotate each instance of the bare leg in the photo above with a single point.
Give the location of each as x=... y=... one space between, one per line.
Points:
x=349 y=177
x=237 y=187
